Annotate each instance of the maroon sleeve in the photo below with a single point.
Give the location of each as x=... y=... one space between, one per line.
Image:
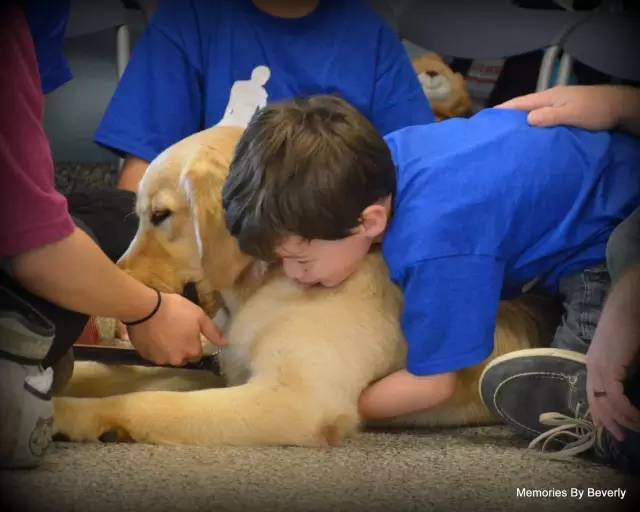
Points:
x=32 y=212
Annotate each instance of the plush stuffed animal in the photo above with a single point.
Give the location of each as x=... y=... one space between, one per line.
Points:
x=444 y=88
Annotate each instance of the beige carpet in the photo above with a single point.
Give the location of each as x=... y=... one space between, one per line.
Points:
x=475 y=469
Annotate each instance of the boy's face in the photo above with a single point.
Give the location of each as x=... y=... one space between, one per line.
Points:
x=324 y=262
x=329 y=262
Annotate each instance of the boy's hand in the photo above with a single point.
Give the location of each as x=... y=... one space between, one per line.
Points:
x=172 y=335
x=584 y=106
x=402 y=393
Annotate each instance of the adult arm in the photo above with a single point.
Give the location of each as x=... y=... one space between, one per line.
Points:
x=48 y=256
x=592 y=107
x=614 y=348
x=75 y=274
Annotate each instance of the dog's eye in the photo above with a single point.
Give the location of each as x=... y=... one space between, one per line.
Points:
x=159 y=216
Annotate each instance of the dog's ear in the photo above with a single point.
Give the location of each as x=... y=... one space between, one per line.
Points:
x=202 y=181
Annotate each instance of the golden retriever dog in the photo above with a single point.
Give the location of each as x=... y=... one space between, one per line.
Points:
x=298 y=358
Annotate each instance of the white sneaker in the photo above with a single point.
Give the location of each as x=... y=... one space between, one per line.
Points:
x=26 y=412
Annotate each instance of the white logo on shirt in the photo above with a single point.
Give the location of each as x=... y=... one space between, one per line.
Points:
x=246 y=97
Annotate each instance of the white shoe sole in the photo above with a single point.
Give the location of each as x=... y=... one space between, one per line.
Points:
x=531 y=352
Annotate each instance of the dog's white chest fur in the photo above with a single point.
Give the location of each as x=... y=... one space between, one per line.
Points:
x=249 y=319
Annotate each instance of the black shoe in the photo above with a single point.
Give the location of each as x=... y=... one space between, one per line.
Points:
x=541 y=393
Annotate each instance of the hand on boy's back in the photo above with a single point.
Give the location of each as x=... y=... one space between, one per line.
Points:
x=582 y=106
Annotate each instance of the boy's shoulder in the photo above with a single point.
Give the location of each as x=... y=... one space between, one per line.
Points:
x=455 y=139
x=488 y=138
x=486 y=124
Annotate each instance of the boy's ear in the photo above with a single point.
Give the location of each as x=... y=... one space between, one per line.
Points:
x=373 y=220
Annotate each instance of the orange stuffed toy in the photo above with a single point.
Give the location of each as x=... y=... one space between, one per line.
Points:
x=444 y=88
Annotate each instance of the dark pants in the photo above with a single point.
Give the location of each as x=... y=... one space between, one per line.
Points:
x=583 y=295
x=107 y=216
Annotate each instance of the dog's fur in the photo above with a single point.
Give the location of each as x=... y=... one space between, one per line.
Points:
x=297 y=359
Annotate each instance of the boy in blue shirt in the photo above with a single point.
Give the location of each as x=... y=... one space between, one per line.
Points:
x=200 y=62
x=468 y=211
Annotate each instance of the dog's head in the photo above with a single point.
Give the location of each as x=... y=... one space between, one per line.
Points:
x=181 y=235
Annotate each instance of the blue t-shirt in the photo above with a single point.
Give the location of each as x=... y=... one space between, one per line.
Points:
x=47 y=21
x=485 y=205
x=198 y=61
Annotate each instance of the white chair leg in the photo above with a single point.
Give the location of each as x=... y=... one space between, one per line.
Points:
x=123 y=51
x=123 y=48
x=546 y=67
x=564 y=70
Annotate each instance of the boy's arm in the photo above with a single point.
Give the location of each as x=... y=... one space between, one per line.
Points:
x=402 y=392
x=592 y=107
x=448 y=321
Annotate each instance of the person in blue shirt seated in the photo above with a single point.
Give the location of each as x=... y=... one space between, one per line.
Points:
x=468 y=211
x=200 y=63
x=47 y=21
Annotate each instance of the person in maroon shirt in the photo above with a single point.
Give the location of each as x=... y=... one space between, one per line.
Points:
x=53 y=274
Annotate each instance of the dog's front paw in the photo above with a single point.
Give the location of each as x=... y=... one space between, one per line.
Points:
x=79 y=419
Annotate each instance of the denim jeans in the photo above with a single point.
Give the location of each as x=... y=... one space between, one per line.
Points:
x=583 y=294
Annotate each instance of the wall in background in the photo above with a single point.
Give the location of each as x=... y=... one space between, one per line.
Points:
x=73 y=112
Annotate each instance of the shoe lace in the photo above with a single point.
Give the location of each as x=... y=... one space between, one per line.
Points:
x=578 y=434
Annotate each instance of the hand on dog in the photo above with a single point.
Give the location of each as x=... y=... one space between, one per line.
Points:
x=588 y=107
x=606 y=372
x=172 y=335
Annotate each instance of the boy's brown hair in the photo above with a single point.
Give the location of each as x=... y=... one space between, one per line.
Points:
x=305 y=167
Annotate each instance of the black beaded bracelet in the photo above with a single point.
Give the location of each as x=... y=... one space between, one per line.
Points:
x=155 y=310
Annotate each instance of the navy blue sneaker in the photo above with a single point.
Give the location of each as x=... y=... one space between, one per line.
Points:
x=541 y=393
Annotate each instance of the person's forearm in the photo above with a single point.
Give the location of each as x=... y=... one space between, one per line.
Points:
x=627 y=292
x=621 y=311
x=131 y=173
x=402 y=393
x=630 y=109
x=75 y=274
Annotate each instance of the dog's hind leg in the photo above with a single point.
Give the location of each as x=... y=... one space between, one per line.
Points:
x=91 y=379
x=256 y=413
x=521 y=324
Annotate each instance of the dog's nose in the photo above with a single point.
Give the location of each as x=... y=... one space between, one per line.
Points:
x=432 y=74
